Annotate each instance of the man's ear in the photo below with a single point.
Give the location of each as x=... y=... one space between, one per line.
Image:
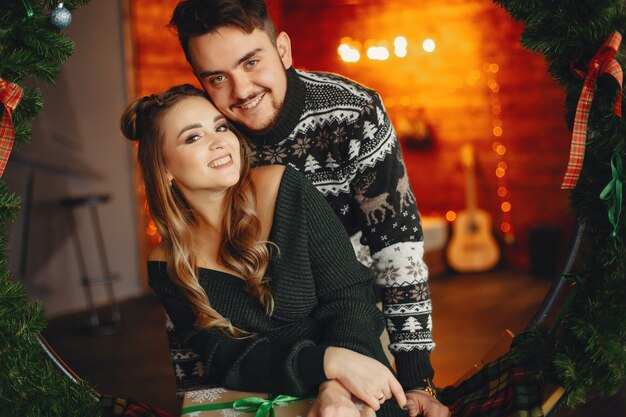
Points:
x=283 y=45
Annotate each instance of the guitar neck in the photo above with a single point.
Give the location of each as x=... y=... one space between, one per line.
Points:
x=470 y=189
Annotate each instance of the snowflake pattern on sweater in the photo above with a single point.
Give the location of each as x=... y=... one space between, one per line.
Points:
x=338 y=134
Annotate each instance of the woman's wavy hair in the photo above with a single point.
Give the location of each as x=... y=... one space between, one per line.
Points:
x=175 y=219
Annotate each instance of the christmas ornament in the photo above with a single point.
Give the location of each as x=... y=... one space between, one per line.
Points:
x=10 y=96
x=603 y=62
x=60 y=17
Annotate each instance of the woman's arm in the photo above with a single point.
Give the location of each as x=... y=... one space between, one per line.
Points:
x=247 y=364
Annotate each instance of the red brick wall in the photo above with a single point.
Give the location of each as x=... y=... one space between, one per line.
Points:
x=448 y=89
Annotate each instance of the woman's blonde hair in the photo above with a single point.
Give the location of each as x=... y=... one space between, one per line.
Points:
x=175 y=219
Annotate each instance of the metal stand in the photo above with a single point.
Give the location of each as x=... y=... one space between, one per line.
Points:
x=96 y=324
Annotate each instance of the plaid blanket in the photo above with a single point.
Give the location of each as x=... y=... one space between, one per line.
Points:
x=125 y=407
x=502 y=388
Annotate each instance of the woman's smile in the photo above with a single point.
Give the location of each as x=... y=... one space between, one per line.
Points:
x=221 y=162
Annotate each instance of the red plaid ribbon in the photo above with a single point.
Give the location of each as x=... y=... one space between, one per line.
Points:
x=10 y=96
x=603 y=62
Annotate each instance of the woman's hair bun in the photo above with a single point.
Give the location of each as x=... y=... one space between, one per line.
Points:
x=128 y=123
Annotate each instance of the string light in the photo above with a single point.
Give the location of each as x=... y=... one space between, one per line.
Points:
x=350 y=50
x=499 y=149
x=378 y=53
x=399 y=46
x=429 y=45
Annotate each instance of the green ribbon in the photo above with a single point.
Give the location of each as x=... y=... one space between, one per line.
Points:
x=612 y=193
x=262 y=406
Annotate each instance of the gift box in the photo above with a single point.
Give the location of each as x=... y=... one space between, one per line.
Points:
x=221 y=402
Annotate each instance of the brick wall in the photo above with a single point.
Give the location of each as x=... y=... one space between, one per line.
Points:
x=452 y=90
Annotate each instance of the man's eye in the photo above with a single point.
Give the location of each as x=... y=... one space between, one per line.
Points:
x=217 y=79
x=192 y=138
x=253 y=63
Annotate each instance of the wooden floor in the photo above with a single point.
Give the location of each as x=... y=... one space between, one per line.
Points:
x=469 y=314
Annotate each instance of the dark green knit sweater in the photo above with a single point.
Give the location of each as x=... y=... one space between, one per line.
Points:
x=323 y=297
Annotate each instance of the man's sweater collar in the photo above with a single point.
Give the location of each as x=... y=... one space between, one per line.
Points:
x=293 y=107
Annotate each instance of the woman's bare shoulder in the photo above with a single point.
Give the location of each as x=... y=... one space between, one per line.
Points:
x=266 y=182
x=266 y=179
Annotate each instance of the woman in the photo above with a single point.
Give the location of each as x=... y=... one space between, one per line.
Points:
x=254 y=267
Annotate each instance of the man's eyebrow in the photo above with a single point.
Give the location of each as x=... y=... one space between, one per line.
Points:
x=205 y=74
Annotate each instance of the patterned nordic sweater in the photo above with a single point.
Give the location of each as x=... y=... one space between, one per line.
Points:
x=323 y=297
x=338 y=134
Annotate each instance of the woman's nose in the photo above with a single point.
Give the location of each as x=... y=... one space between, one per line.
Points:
x=218 y=143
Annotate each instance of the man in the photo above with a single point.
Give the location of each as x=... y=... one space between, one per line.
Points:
x=338 y=134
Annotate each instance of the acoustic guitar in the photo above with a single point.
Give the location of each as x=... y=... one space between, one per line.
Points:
x=473 y=247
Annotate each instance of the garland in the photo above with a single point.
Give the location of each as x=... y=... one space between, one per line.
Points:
x=585 y=352
x=31 y=47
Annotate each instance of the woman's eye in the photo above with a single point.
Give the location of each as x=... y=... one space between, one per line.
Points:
x=222 y=128
x=192 y=138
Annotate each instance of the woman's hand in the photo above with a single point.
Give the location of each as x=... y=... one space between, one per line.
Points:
x=334 y=400
x=364 y=377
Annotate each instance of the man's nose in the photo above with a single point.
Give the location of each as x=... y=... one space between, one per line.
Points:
x=242 y=87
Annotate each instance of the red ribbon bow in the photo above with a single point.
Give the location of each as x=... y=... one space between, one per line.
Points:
x=10 y=96
x=603 y=62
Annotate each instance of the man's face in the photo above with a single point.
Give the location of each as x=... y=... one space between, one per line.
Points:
x=243 y=73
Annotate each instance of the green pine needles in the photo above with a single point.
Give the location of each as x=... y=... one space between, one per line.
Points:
x=586 y=353
x=30 y=384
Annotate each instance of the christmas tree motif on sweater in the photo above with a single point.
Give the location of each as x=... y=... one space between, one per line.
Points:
x=311 y=164
x=353 y=150
x=180 y=374
x=412 y=325
x=369 y=130
x=371 y=205
x=330 y=162
x=198 y=369
x=381 y=116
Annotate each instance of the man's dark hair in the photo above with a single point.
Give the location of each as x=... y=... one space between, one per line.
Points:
x=197 y=17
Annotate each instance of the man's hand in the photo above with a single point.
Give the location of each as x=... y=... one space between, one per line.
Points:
x=421 y=403
x=333 y=401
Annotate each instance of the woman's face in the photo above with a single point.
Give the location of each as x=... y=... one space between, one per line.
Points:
x=201 y=153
